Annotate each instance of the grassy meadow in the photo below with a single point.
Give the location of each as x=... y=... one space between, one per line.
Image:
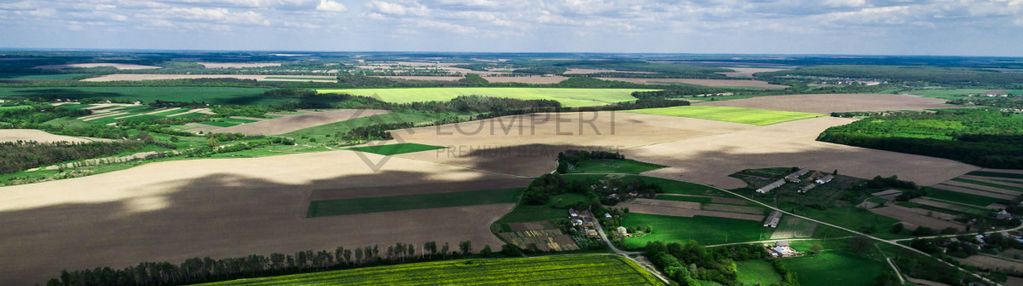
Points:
x=395 y=149
x=757 y=272
x=835 y=268
x=730 y=114
x=577 y=269
x=613 y=166
x=705 y=230
x=569 y=97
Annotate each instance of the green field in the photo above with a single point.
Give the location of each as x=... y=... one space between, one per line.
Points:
x=395 y=149
x=996 y=174
x=970 y=199
x=556 y=208
x=38 y=77
x=705 y=230
x=569 y=97
x=613 y=166
x=411 y=202
x=835 y=268
x=756 y=272
x=850 y=217
x=213 y=95
x=577 y=269
x=730 y=114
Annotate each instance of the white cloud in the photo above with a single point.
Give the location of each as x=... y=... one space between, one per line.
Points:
x=331 y=6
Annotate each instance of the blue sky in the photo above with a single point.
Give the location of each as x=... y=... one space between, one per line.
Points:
x=948 y=27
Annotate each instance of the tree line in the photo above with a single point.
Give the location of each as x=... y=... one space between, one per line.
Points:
x=19 y=156
x=690 y=263
x=206 y=269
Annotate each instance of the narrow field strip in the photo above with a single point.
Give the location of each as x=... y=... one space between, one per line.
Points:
x=411 y=202
x=742 y=115
x=582 y=269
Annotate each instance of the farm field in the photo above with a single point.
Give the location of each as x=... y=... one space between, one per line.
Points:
x=228 y=95
x=836 y=268
x=556 y=208
x=14 y=135
x=736 y=83
x=144 y=77
x=569 y=97
x=573 y=269
x=298 y=121
x=730 y=114
x=395 y=149
x=705 y=230
x=411 y=202
x=828 y=103
x=245 y=205
x=613 y=166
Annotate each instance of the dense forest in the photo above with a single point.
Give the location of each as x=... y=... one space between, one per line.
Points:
x=18 y=156
x=983 y=137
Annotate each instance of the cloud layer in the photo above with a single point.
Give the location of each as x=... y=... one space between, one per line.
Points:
x=992 y=27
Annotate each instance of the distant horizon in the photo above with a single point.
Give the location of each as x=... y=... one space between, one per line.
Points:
x=495 y=52
x=834 y=27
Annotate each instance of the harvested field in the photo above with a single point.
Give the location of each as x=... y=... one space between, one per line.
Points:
x=520 y=144
x=733 y=209
x=748 y=72
x=943 y=205
x=993 y=262
x=828 y=103
x=142 y=77
x=26 y=135
x=965 y=190
x=742 y=83
x=575 y=71
x=985 y=188
x=100 y=65
x=708 y=159
x=302 y=120
x=237 y=65
x=920 y=217
x=246 y=206
x=1018 y=183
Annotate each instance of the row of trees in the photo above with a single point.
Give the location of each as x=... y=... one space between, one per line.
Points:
x=689 y=263
x=18 y=156
x=200 y=270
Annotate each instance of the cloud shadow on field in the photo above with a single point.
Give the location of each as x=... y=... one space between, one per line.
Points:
x=226 y=215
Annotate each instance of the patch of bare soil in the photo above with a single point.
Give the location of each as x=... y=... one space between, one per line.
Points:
x=827 y=103
x=171 y=211
x=575 y=71
x=986 y=261
x=299 y=121
x=682 y=209
x=27 y=135
x=920 y=217
x=704 y=82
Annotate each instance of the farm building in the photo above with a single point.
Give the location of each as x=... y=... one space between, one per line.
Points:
x=807 y=188
x=824 y=180
x=782 y=249
x=794 y=177
x=773 y=219
x=771 y=186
